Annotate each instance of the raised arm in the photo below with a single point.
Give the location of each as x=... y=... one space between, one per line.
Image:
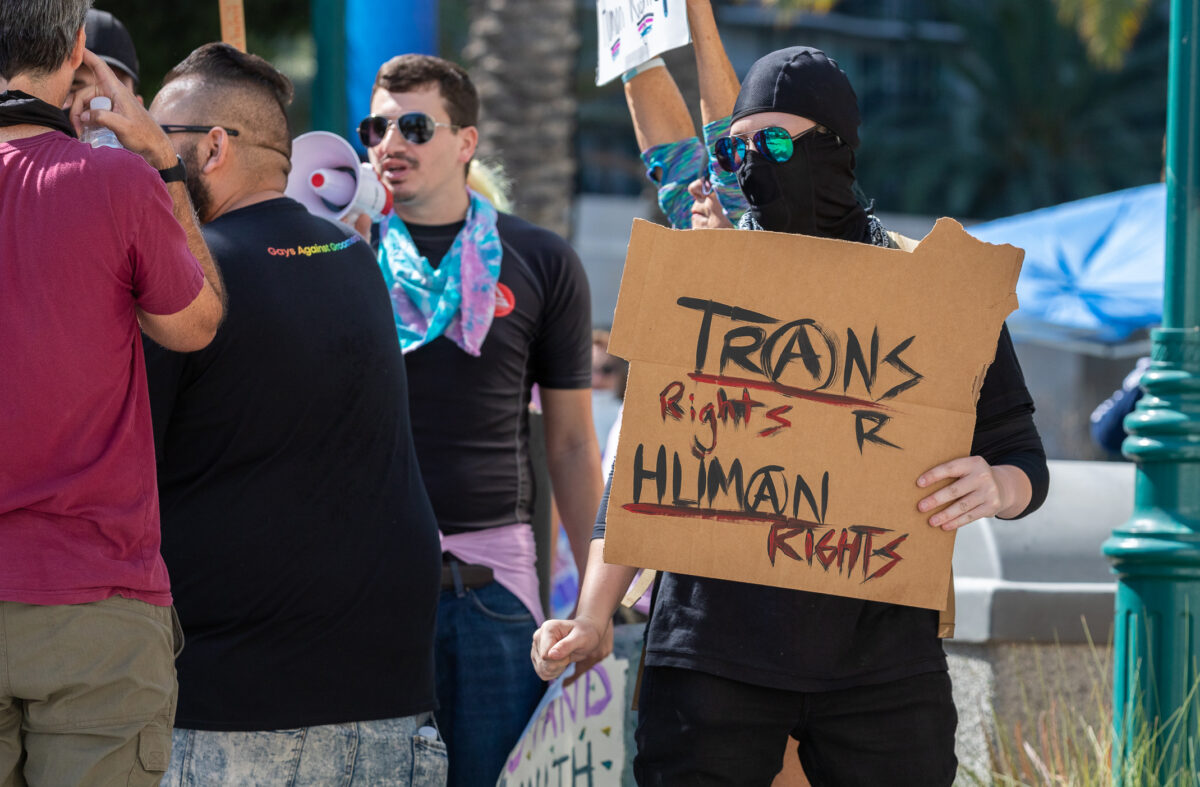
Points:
x=671 y=151
x=194 y=326
x=692 y=191
x=660 y=115
x=718 y=82
x=718 y=200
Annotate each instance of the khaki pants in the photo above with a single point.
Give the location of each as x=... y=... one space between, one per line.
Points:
x=87 y=693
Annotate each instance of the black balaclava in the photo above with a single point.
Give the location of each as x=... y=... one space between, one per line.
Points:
x=813 y=192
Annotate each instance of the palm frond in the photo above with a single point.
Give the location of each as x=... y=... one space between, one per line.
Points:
x=1107 y=27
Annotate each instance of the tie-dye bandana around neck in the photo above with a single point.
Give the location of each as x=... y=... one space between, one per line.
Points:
x=458 y=297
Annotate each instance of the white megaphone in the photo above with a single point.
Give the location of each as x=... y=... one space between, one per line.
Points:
x=329 y=180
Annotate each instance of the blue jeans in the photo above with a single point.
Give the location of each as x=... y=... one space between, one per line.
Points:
x=486 y=685
x=401 y=752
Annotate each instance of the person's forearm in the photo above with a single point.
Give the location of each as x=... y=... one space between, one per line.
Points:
x=185 y=214
x=604 y=585
x=163 y=157
x=578 y=484
x=718 y=81
x=659 y=113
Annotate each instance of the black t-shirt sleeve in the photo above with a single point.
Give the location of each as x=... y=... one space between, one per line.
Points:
x=562 y=349
x=1004 y=430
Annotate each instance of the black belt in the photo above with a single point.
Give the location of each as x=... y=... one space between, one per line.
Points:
x=472 y=576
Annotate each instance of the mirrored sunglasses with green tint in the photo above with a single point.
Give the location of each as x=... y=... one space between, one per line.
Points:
x=773 y=142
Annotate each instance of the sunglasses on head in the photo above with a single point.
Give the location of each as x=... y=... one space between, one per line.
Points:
x=416 y=127
x=773 y=142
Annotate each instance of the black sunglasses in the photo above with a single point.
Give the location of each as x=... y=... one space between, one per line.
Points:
x=175 y=128
x=773 y=142
x=416 y=127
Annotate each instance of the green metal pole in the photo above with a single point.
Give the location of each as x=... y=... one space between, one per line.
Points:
x=1156 y=554
x=329 y=87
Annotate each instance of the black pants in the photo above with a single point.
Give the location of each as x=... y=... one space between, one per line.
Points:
x=698 y=729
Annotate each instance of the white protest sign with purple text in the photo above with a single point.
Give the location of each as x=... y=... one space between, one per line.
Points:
x=633 y=31
x=576 y=737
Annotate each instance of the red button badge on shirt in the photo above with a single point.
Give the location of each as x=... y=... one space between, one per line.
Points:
x=505 y=300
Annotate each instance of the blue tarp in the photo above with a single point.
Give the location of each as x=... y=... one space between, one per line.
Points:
x=1093 y=268
x=376 y=31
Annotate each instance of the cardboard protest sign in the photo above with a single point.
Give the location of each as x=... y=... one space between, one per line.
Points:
x=576 y=735
x=633 y=31
x=785 y=392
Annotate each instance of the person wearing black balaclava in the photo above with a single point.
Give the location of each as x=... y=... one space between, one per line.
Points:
x=813 y=191
x=735 y=671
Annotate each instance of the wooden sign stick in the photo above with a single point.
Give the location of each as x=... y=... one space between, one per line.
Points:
x=233 y=23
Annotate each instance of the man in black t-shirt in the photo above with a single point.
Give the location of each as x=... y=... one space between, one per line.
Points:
x=299 y=538
x=734 y=669
x=486 y=306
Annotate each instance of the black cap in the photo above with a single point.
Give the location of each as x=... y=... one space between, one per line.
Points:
x=109 y=39
x=801 y=81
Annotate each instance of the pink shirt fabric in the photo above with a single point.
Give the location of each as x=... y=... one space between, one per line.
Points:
x=86 y=237
x=510 y=552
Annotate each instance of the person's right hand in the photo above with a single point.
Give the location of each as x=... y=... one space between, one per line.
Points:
x=559 y=643
x=135 y=129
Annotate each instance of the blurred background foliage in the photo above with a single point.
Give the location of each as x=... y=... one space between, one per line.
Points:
x=1106 y=27
x=1026 y=119
x=164 y=32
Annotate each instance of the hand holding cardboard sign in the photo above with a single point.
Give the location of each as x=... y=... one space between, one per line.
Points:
x=980 y=491
x=792 y=407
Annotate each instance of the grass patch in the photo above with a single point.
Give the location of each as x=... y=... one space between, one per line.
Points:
x=1052 y=742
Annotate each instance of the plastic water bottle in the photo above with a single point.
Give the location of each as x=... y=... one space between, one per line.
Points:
x=96 y=135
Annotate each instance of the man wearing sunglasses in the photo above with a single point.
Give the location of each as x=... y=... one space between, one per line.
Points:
x=733 y=670
x=294 y=517
x=486 y=305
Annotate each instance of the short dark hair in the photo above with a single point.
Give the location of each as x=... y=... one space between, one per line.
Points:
x=36 y=36
x=404 y=73
x=219 y=63
x=233 y=82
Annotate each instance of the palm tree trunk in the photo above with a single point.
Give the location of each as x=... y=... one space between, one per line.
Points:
x=522 y=56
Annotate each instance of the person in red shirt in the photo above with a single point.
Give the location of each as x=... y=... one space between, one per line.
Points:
x=92 y=244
